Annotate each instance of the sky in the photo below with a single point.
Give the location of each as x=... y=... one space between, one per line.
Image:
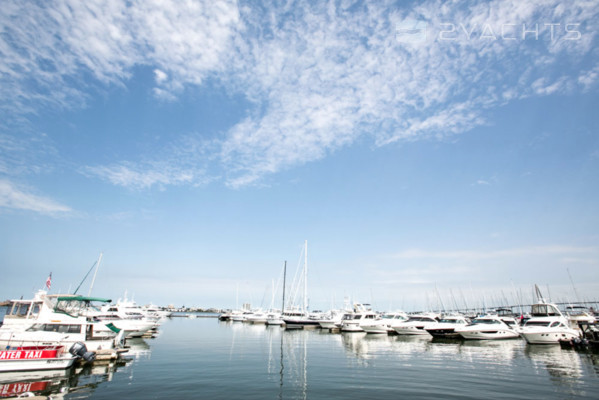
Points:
x=431 y=153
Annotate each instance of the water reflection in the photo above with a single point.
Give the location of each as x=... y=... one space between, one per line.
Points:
x=60 y=382
x=77 y=382
x=558 y=362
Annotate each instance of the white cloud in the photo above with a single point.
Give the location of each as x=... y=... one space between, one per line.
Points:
x=13 y=197
x=319 y=76
x=138 y=177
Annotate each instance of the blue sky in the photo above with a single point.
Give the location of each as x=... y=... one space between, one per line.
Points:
x=425 y=150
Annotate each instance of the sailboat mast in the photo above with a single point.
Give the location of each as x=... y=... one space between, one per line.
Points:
x=95 y=273
x=284 y=276
x=306 y=277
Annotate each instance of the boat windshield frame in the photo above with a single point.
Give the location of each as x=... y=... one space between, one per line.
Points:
x=75 y=306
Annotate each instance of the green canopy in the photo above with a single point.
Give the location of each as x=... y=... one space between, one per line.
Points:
x=82 y=298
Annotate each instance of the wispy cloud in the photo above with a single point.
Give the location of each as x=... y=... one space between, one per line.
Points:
x=505 y=253
x=14 y=197
x=319 y=75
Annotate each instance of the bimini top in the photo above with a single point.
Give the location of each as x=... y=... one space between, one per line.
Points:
x=82 y=298
x=75 y=305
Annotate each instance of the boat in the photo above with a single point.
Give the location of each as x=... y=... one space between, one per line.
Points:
x=296 y=317
x=447 y=326
x=577 y=314
x=274 y=318
x=257 y=317
x=35 y=358
x=64 y=324
x=488 y=327
x=415 y=324
x=126 y=316
x=383 y=324
x=547 y=325
x=362 y=314
x=334 y=318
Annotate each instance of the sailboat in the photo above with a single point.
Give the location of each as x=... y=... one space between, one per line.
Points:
x=275 y=317
x=298 y=316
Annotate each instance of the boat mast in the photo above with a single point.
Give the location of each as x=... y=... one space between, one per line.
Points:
x=95 y=273
x=284 y=276
x=306 y=277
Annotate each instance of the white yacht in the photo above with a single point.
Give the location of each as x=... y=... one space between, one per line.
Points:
x=488 y=327
x=274 y=318
x=362 y=315
x=415 y=325
x=579 y=314
x=547 y=325
x=383 y=325
x=334 y=319
x=447 y=326
x=63 y=324
x=257 y=317
x=131 y=326
x=354 y=324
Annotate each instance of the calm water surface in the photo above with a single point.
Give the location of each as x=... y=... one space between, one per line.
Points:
x=204 y=358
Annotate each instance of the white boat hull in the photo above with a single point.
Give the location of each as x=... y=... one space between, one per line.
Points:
x=328 y=325
x=411 y=330
x=345 y=327
x=376 y=329
x=548 y=336
x=488 y=335
x=36 y=364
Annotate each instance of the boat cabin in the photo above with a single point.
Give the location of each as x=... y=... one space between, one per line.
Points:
x=544 y=310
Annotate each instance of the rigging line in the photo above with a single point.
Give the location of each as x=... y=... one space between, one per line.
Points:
x=85 y=277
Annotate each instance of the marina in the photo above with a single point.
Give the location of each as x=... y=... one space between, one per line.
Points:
x=209 y=358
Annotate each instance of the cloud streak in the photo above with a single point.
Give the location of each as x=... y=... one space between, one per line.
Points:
x=13 y=197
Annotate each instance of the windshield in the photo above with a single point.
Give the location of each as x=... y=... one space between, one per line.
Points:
x=486 y=321
x=537 y=323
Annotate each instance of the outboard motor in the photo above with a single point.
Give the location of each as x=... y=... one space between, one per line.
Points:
x=79 y=350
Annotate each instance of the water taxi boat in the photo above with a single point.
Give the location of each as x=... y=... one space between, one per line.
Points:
x=33 y=358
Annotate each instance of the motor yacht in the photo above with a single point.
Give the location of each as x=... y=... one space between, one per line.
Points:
x=383 y=325
x=65 y=324
x=362 y=314
x=334 y=319
x=415 y=325
x=488 y=327
x=447 y=326
x=547 y=325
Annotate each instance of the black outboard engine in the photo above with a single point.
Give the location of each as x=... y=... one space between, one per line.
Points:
x=79 y=350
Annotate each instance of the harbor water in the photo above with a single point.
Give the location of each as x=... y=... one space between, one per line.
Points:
x=203 y=358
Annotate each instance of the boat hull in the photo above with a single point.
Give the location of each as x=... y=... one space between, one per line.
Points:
x=443 y=333
x=376 y=329
x=328 y=325
x=36 y=365
x=411 y=330
x=488 y=335
x=548 y=336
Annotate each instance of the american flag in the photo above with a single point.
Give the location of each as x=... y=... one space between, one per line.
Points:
x=49 y=281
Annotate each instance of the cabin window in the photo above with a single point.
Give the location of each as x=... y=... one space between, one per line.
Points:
x=537 y=323
x=60 y=328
